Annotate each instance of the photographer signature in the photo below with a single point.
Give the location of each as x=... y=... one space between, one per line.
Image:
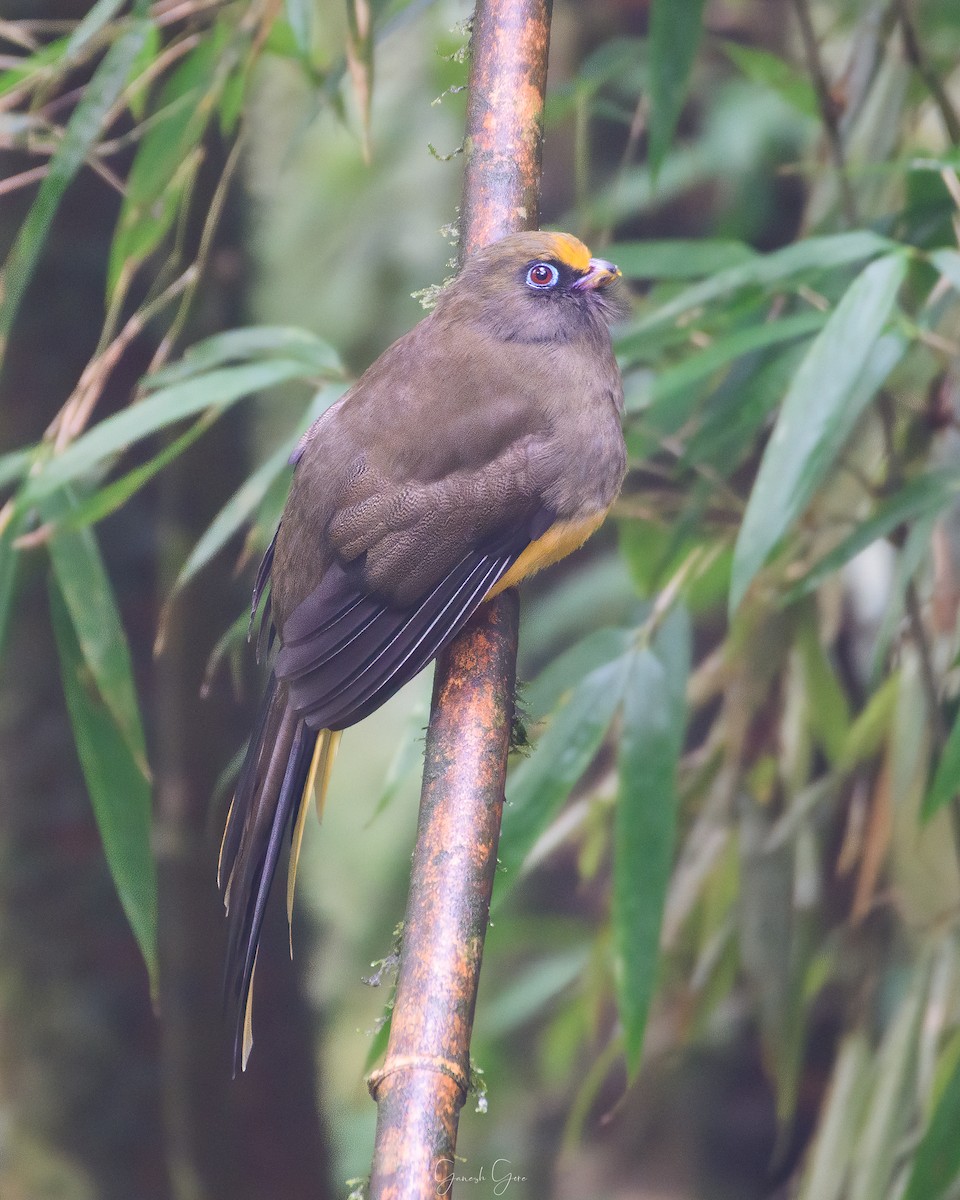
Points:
x=500 y=1176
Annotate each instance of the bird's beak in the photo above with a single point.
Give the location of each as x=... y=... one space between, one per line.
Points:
x=599 y=274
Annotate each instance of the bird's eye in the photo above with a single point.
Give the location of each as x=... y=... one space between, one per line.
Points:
x=542 y=276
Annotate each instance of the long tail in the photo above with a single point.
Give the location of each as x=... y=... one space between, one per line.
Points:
x=282 y=763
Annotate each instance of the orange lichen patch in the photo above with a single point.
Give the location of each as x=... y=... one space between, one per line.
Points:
x=570 y=250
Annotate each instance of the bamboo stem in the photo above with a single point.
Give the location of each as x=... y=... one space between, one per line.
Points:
x=425 y=1076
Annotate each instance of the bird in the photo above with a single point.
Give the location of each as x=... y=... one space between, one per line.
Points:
x=482 y=446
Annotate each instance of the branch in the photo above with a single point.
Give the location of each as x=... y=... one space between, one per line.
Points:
x=424 y=1079
x=828 y=108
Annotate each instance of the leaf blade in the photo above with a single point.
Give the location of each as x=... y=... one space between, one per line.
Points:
x=118 y=790
x=81 y=132
x=676 y=27
x=845 y=365
x=541 y=783
x=218 y=389
x=654 y=717
x=86 y=591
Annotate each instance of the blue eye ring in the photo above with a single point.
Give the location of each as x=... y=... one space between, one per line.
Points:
x=542 y=276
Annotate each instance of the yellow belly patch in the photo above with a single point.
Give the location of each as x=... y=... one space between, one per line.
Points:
x=560 y=540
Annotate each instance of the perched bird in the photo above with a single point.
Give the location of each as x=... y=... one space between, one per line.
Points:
x=483 y=445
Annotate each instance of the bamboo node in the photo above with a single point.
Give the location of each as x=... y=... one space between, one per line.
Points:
x=418 y=1062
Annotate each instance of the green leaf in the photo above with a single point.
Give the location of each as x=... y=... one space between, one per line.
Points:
x=9 y=564
x=528 y=993
x=254 y=342
x=99 y=15
x=736 y=411
x=839 y=1126
x=936 y=1161
x=915 y=550
x=878 y=1144
x=946 y=781
x=827 y=707
x=566 y=670
x=871 y=727
x=675 y=30
x=40 y=65
x=678 y=380
x=248 y=497
x=108 y=499
x=218 y=389
x=300 y=17
x=118 y=790
x=166 y=156
x=80 y=135
x=541 y=783
x=239 y=509
x=677 y=259
x=654 y=715
x=765 y=270
x=838 y=377
x=83 y=584
x=773 y=72
x=947 y=263
x=15 y=465
x=927 y=493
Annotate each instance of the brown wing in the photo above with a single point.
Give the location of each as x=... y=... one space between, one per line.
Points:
x=346 y=650
x=395 y=531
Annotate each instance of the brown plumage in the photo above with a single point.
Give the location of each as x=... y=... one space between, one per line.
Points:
x=477 y=449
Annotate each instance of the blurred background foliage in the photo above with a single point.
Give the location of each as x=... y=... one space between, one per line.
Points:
x=742 y=696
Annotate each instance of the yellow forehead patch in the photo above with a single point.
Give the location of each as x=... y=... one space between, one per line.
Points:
x=569 y=250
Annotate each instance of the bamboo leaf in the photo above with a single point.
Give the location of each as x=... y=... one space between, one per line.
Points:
x=254 y=342
x=877 y=1146
x=769 y=270
x=675 y=30
x=216 y=390
x=839 y=375
x=529 y=993
x=773 y=72
x=118 y=790
x=108 y=499
x=936 y=1162
x=678 y=258
x=166 y=157
x=839 y=1126
x=300 y=18
x=541 y=783
x=98 y=16
x=85 y=589
x=654 y=714
x=947 y=263
x=565 y=671
x=827 y=706
x=946 y=781
x=80 y=135
x=676 y=381
x=14 y=465
x=247 y=499
x=927 y=493
x=9 y=564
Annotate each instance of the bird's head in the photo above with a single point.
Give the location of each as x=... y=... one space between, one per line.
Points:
x=537 y=287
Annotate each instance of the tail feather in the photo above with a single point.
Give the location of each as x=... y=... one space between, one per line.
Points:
x=318 y=780
x=278 y=771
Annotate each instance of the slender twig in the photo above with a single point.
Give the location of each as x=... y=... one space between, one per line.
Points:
x=214 y=213
x=24 y=179
x=828 y=108
x=423 y=1082
x=924 y=68
x=76 y=412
